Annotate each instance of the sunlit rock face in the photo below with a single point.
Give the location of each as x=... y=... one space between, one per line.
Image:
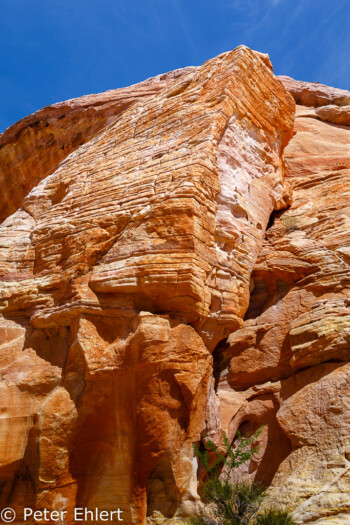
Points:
x=34 y=147
x=294 y=346
x=159 y=283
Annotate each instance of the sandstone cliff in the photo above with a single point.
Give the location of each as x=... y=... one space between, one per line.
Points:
x=174 y=263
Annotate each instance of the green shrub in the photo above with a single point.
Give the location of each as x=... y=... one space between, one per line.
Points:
x=232 y=459
x=274 y=516
x=233 y=503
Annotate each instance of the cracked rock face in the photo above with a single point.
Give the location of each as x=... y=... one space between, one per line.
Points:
x=294 y=345
x=160 y=283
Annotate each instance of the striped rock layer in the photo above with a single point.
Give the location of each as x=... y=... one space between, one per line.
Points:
x=159 y=283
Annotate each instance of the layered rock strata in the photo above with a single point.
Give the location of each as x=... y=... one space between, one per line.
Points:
x=34 y=147
x=141 y=228
x=288 y=367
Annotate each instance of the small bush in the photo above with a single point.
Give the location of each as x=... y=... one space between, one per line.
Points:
x=232 y=459
x=234 y=503
x=274 y=516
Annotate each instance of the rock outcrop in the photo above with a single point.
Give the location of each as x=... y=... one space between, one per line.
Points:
x=158 y=283
x=292 y=353
x=34 y=147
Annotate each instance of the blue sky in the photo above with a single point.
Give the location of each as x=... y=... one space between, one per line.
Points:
x=52 y=50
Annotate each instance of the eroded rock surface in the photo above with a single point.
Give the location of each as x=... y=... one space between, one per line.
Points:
x=159 y=228
x=315 y=94
x=34 y=147
x=296 y=332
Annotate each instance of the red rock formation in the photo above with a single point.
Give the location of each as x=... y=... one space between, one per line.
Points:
x=299 y=318
x=34 y=147
x=314 y=94
x=131 y=253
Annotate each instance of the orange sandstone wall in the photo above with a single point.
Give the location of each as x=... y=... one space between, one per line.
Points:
x=288 y=366
x=159 y=283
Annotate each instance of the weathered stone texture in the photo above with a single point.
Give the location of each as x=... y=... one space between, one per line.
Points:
x=157 y=228
x=33 y=148
x=315 y=94
x=299 y=318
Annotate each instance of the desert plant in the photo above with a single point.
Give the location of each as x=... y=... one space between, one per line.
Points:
x=274 y=516
x=233 y=503
x=232 y=459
